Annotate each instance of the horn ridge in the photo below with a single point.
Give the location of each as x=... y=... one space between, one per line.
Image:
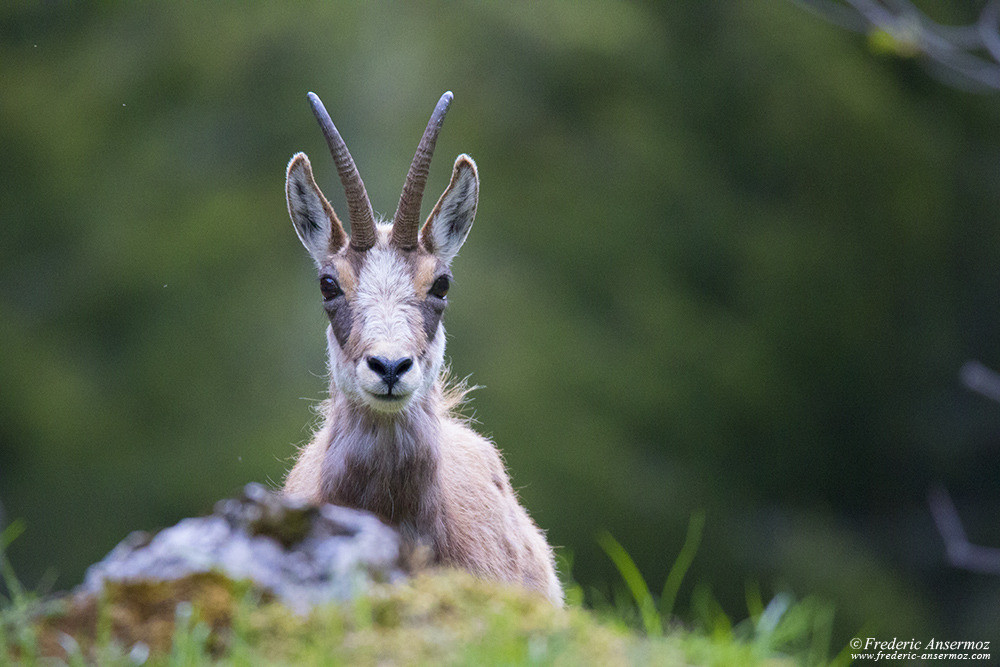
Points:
x=407 y=219
x=359 y=205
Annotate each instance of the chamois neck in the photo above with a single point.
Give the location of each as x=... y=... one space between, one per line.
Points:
x=385 y=464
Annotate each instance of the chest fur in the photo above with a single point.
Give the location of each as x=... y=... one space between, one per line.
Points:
x=389 y=472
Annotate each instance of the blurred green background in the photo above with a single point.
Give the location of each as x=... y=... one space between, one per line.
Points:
x=726 y=257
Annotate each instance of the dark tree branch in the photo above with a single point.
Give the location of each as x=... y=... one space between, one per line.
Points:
x=980 y=379
x=965 y=56
x=961 y=553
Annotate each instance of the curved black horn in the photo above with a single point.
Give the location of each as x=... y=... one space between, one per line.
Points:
x=407 y=218
x=359 y=206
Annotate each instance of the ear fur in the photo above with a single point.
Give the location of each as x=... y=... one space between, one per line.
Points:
x=449 y=223
x=312 y=216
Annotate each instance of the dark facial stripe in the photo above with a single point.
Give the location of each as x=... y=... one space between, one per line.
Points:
x=431 y=309
x=339 y=312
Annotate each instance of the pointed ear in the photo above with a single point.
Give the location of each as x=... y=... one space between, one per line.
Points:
x=312 y=216
x=450 y=221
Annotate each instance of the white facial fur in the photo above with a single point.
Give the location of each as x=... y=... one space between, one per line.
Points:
x=387 y=324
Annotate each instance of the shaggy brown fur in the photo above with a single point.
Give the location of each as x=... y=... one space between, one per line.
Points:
x=436 y=480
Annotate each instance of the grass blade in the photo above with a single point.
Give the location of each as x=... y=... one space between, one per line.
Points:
x=11 y=533
x=636 y=584
x=680 y=567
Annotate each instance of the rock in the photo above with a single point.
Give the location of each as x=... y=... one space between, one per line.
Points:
x=301 y=554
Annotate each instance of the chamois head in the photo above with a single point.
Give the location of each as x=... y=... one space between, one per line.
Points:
x=385 y=287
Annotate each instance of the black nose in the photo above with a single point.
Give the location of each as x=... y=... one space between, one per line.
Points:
x=389 y=371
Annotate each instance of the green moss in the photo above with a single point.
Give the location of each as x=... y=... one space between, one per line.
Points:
x=448 y=618
x=444 y=617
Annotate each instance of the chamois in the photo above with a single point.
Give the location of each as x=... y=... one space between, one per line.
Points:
x=389 y=442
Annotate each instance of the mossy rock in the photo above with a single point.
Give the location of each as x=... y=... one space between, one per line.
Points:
x=439 y=617
x=139 y=613
x=303 y=554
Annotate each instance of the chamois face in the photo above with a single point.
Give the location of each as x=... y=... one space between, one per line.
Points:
x=385 y=340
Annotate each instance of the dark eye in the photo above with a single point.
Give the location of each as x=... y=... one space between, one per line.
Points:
x=440 y=287
x=329 y=287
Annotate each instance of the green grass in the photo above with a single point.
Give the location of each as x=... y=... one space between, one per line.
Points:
x=798 y=630
x=655 y=616
x=444 y=618
x=438 y=618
